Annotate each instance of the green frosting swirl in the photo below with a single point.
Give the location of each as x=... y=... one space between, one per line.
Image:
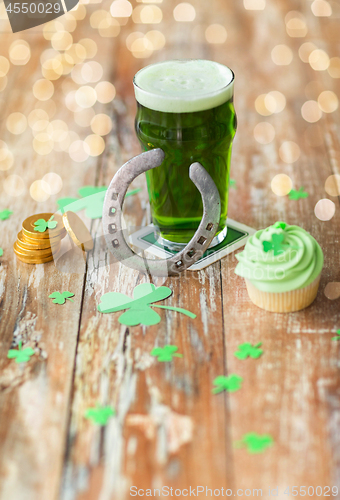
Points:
x=291 y=259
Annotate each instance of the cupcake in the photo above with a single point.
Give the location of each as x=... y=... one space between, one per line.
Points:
x=282 y=267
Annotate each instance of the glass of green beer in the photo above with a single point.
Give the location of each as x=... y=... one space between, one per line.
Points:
x=185 y=107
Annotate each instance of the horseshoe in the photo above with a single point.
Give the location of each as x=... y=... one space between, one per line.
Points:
x=112 y=214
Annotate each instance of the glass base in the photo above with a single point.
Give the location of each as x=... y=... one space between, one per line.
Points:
x=172 y=245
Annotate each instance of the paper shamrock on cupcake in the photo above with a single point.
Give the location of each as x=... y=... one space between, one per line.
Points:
x=275 y=244
x=138 y=309
x=42 y=225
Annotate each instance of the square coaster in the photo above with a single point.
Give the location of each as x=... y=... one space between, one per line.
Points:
x=237 y=236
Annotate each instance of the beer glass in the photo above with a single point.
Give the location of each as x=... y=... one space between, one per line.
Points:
x=185 y=107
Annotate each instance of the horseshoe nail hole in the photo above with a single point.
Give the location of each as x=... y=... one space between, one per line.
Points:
x=114 y=196
x=115 y=243
x=191 y=253
x=202 y=240
x=209 y=226
x=112 y=211
x=179 y=263
x=112 y=228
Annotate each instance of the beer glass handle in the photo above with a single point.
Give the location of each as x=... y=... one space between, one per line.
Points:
x=112 y=214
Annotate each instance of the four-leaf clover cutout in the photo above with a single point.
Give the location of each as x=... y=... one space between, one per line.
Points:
x=139 y=308
x=248 y=350
x=60 y=298
x=166 y=353
x=296 y=195
x=255 y=443
x=338 y=335
x=5 y=214
x=42 y=225
x=275 y=244
x=21 y=355
x=231 y=383
x=99 y=414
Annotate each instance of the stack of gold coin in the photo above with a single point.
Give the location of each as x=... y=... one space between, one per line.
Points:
x=40 y=238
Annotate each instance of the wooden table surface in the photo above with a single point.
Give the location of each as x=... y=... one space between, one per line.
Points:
x=169 y=429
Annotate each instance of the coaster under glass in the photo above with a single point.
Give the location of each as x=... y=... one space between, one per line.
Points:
x=174 y=246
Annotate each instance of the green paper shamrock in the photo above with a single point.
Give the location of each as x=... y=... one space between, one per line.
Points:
x=296 y=195
x=5 y=214
x=275 y=244
x=99 y=414
x=247 y=350
x=139 y=308
x=21 y=355
x=232 y=183
x=166 y=353
x=1 y=252
x=255 y=443
x=231 y=383
x=42 y=225
x=60 y=298
x=92 y=201
x=338 y=335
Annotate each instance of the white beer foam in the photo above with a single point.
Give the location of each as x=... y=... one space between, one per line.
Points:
x=184 y=86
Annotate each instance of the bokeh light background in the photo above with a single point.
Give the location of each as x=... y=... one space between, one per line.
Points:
x=59 y=85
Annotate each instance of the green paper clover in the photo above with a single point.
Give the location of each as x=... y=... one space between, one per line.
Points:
x=21 y=355
x=166 y=353
x=60 y=298
x=275 y=244
x=92 y=201
x=338 y=335
x=231 y=383
x=232 y=183
x=255 y=443
x=42 y=225
x=99 y=414
x=1 y=252
x=5 y=214
x=247 y=350
x=296 y=195
x=139 y=308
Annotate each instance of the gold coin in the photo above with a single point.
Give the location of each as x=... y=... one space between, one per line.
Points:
x=29 y=229
x=78 y=231
x=30 y=244
x=31 y=260
x=36 y=253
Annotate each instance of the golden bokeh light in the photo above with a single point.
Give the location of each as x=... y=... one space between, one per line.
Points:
x=37 y=115
x=314 y=136
x=281 y=184
x=109 y=27
x=43 y=89
x=321 y=8
x=121 y=8
x=141 y=48
x=16 y=123
x=39 y=126
x=328 y=101
x=319 y=60
x=90 y=47
x=48 y=106
x=264 y=133
x=305 y=51
x=324 y=209
x=254 y=4
x=101 y=124
x=57 y=130
x=76 y=52
x=76 y=74
x=96 y=144
x=71 y=103
x=14 y=185
x=97 y=17
x=84 y=117
x=50 y=28
x=156 y=38
x=147 y=14
x=282 y=55
x=3 y=83
x=79 y=151
x=39 y=191
x=289 y=152
x=311 y=111
x=184 y=12
x=275 y=101
x=65 y=143
x=79 y=12
x=4 y=66
x=332 y=185
x=85 y=96
x=62 y=40
x=296 y=24
x=54 y=183
x=105 y=91
x=19 y=52
x=6 y=157
x=261 y=107
x=43 y=144
x=52 y=69
x=334 y=67
x=69 y=22
x=216 y=33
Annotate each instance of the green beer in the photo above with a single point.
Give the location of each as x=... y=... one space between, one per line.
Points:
x=186 y=109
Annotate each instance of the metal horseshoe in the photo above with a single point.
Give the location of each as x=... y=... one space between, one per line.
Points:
x=112 y=213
